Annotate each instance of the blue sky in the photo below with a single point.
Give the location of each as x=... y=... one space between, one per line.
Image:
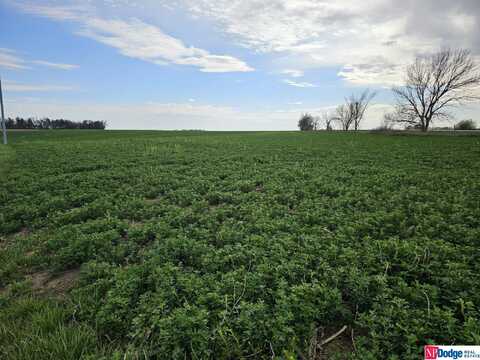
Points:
x=217 y=65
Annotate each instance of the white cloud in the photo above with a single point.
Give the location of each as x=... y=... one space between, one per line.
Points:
x=303 y=84
x=12 y=86
x=9 y=60
x=370 y=40
x=137 y=39
x=373 y=74
x=293 y=73
x=55 y=65
x=64 y=13
x=295 y=103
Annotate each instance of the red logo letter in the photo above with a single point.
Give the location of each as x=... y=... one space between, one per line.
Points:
x=430 y=352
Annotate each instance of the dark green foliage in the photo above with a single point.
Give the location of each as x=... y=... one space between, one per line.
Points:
x=46 y=123
x=239 y=245
x=465 y=125
x=306 y=122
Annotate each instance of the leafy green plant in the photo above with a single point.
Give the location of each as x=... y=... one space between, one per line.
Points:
x=239 y=245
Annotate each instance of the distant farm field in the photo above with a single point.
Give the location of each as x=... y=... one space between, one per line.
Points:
x=206 y=245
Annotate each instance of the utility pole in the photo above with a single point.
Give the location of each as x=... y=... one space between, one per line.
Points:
x=4 y=127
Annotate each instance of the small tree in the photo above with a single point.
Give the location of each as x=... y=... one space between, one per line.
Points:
x=306 y=122
x=465 y=125
x=343 y=116
x=327 y=120
x=357 y=105
x=434 y=84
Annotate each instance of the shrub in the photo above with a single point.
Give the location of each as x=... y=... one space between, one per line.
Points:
x=306 y=122
x=384 y=126
x=465 y=125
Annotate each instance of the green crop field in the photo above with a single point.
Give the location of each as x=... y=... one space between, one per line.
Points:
x=206 y=245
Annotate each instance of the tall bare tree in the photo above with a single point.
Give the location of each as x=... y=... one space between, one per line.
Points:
x=343 y=116
x=352 y=112
x=357 y=105
x=435 y=84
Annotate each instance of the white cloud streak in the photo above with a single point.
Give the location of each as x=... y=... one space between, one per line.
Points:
x=56 y=65
x=137 y=39
x=9 y=60
x=302 y=84
x=293 y=73
x=13 y=86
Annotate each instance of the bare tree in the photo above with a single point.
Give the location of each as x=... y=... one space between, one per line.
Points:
x=343 y=116
x=327 y=120
x=352 y=112
x=357 y=105
x=435 y=84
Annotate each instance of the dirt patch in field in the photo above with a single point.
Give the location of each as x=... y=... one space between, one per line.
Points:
x=152 y=201
x=4 y=241
x=342 y=345
x=58 y=285
x=329 y=343
x=38 y=280
x=30 y=253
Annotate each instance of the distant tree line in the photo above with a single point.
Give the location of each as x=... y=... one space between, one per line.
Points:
x=46 y=123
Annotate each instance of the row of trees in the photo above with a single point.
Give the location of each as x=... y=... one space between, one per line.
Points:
x=434 y=85
x=348 y=115
x=46 y=123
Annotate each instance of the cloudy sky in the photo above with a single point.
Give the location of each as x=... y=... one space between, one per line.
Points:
x=217 y=64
